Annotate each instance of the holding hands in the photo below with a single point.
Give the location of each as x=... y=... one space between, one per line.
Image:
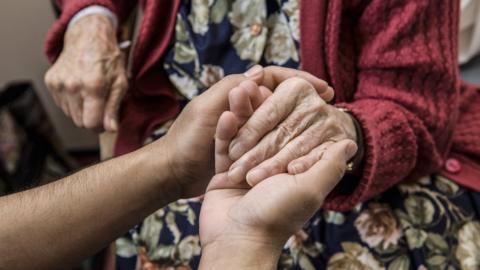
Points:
x=288 y=133
x=235 y=217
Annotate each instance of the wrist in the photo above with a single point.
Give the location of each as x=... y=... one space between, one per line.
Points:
x=235 y=253
x=97 y=10
x=97 y=26
x=354 y=165
x=156 y=167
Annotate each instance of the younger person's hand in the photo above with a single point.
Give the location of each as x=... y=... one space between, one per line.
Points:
x=253 y=224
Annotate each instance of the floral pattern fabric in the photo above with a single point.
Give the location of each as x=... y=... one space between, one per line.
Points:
x=214 y=38
x=430 y=223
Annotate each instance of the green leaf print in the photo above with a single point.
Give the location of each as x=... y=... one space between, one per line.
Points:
x=305 y=263
x=402 y=262
x=436 y=242
x=125 y=248
x=420 y=209
x=181 y=33
x=219 y=11
x=336 y=218
x=184 y=52
x=446 y=186
x=415 y=237
x=436 y=260
x=150 y=232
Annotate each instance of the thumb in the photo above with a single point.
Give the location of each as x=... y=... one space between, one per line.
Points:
x=324 y=175
x=119 y=88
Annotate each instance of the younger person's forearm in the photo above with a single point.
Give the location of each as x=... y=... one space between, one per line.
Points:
x=61 y=223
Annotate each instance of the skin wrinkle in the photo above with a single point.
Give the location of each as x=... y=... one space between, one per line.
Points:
x=90 y=63
x=293 y=91
x=300 y=119
x=302 y=164
x=311 y=123
x=300 y=145
x=248 y=134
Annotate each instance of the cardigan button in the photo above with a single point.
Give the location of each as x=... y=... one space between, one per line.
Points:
x=453 y=165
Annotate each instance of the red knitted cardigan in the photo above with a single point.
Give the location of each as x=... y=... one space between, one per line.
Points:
x=393 y=63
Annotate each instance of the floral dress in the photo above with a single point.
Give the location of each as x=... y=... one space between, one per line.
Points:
x=429 y=223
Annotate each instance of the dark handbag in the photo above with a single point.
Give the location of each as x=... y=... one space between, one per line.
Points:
x=39 y=155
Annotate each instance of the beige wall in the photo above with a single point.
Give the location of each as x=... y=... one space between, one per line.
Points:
x=23 y=24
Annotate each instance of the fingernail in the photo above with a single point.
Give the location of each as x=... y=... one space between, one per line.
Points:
x=113 y=125
x=255 y=176
x=253 y=71
x=351 y=150
x=235 y=174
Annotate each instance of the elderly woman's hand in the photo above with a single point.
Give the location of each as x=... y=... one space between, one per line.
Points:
x=288 y=133
x=88 y=80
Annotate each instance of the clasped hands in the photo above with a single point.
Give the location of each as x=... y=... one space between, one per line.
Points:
x=277 y=156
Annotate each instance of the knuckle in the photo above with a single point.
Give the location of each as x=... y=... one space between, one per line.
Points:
x=330 y=123
x=292 y=152
x=285 y=130
x=71 y=85
x=273 y=115
x=50 y=81
x=300 y=149
x=318 y=104
x=123 y=83
x=299 y=84
x=251 y=160
x=275 y=166
x=94 y=81
x=48 y=76
x=268 y=119
x=247 y=134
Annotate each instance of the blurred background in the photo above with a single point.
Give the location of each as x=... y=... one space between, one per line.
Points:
x=22 y=29
x=39 y=144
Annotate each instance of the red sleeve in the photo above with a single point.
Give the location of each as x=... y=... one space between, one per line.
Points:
x=54 y=40
x=407 y=92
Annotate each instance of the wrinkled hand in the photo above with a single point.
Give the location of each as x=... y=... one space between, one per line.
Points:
x=289 y=133
x=189 y=142
x=276 y=207
x=88 y=80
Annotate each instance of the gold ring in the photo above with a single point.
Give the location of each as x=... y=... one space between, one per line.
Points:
x=349 y=167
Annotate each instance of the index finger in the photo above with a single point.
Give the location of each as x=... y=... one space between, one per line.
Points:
x=93 y=110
